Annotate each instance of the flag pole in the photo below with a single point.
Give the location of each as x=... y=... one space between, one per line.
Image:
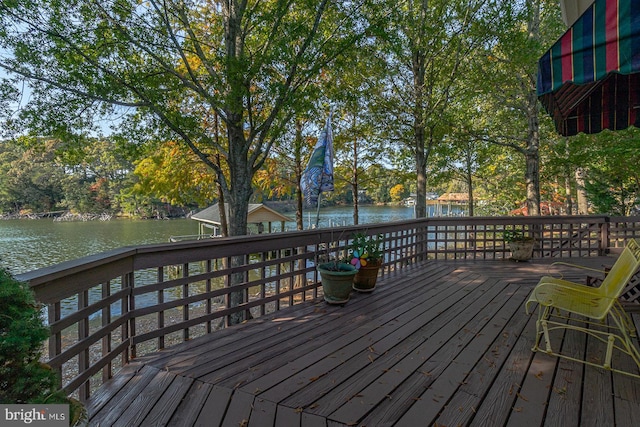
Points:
x=318 y=211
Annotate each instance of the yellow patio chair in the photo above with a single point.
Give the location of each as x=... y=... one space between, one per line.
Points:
x=589 y=308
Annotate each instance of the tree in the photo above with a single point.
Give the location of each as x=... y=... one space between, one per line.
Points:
x=606 y=165
x=33 y=175
x=175 y=176
x=179 y=65
x=175 y=65
x=425 y=46
x=397 y=193
x=508 y=80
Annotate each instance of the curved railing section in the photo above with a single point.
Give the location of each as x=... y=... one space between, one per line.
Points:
x=107 y=309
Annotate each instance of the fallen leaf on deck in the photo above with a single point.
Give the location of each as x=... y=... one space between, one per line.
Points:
x=562 y=390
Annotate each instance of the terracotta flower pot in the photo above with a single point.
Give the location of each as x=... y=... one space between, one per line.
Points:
x=367 y=276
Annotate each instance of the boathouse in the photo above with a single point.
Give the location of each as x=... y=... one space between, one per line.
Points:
x=259 y=215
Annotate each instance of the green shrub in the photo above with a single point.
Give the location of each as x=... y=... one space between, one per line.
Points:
x=23 y=377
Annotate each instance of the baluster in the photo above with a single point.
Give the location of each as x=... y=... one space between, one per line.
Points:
x=247 y=312
x=185 y=295
x=278 y=288
x=128 y=328
x=208 y=290
x=107 y=371
x=263 y=285
x=54 y=312
x=227 y=285
x=160 y=314
x=83 y=356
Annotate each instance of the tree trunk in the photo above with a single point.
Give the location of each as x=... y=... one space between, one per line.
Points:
x=532 y=179
x=470 y=194
x=532 y=155
x=354 y=185
x=568 y=201
x=583 y=205
x=469 y=179
x=299 y=168
x=419 y=134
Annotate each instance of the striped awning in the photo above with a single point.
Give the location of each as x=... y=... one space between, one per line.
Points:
x=588 y=81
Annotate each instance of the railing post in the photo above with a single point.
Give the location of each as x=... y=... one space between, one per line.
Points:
x=128 y=329
x=604 y=236
x=83 y=357
x=54 y=312
x=107 y=371
x=160 y=315
x=185 y=295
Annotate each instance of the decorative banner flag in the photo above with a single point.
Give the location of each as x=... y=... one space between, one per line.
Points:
x=318 y=176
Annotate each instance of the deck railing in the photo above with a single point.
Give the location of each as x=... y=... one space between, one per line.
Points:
x=106 y=309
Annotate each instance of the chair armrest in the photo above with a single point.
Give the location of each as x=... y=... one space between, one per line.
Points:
x=582 y=267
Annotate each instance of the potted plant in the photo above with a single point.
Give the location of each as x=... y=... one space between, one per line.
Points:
x=337 y=278
x=366 y=256
x=520 y=244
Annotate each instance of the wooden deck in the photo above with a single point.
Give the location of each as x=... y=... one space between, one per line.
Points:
x=446 y=344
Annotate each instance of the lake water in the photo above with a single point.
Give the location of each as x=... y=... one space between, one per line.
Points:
x=27 y=244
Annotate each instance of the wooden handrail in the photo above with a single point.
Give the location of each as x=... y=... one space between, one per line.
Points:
x=105 y=309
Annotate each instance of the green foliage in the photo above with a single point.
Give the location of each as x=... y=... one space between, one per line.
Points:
x=368 y=248
x=516 y=235
x=32 y=177
x=223 y=78
x=424 y=94
x=23 y=378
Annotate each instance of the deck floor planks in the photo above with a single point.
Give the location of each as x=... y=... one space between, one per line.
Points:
x=373 y=360
x=484 y=369
x=186 y=414
x=113 y=409
x=263 y=413
x=110 y=389
x=626 y=390
x=566 y=394
x=300 y=335
x=332 y=352
x=359 y=353
x=438 y=342
x=181 y=355
x=143 y=403
x=497 y=405
x=626 y=394
x=462 y=407
x=239 y=409
x=532 y=395
x=288 y=417
x=597 y=389
x=214 y=408
x=477 y=341
x=168 y=403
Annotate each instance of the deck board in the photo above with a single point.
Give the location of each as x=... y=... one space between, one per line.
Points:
x=447 y=343
x=214 y=408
